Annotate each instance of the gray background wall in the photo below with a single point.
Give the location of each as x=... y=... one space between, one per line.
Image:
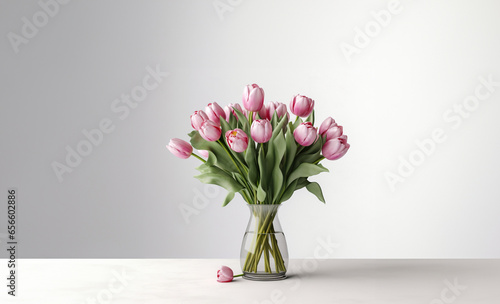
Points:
x=124 y=198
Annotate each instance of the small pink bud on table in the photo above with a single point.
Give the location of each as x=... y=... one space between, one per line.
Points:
x=225 y=274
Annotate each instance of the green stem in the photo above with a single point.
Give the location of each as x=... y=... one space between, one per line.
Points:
x=250 y=118
x=245 y=197
x=230 y=156
x=238 y=275
x=263 y=230
x=267 y=265
x=316 y=162
x=248 y=199
x=198 y=157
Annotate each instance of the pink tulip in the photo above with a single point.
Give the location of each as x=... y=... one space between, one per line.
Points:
x=272 y=107
x=180 y=148
x=305 y=134
x=229 y=109
x=214 y=111
x=335 y=148
x=210 y=131
x=327 y=124
x=280 y=110
x=198 y=118
x=301 y=105
x=203 y=153
x=237 y=140
x=333 y=132
x=253 y=98
x=263 y=112
x=261 y=130
x=224 y=274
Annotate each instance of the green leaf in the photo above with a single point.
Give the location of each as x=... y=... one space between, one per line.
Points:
x=289 y=191
x=253 y=166
x=301 y=183
x=239 y=178
x=233 y=122
x=212 y=159
x=222 y=158
x=306 y=170
x=228 y=199
x=224 y=126
x=267 y=171
x=305 y=158
x=291 y=150
x=314 y=148
x=297 y=122
x=220 y=179
x=242 y=121
x=315 y=189
x=279 y=151
x=279 y=126
x=275 y=121
x=261 y=194
x=308 y=154
x=206 y=168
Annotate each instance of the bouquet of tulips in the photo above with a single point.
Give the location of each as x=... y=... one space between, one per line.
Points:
x=258 y=152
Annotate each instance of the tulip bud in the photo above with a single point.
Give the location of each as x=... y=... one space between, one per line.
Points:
x=210 y=131
x=229 y=109
x=253 y=98
x=198 y=118
x=203 y=153
x=335 y=148
x=180 y=148
x=333 y=132
x=327 y=124
x=224 y=274
x=272 y=107
x=305 y=134
x=261 y=130
x=214 y=111
x=280 y=110
x=263 y=112
x=237 y=140
x=301 y=105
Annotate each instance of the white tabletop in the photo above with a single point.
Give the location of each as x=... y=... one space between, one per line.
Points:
x=310 y=281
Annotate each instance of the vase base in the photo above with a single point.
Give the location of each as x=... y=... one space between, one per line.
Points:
x=264 y=276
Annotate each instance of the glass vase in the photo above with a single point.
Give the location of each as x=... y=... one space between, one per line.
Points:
x=264 y=253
